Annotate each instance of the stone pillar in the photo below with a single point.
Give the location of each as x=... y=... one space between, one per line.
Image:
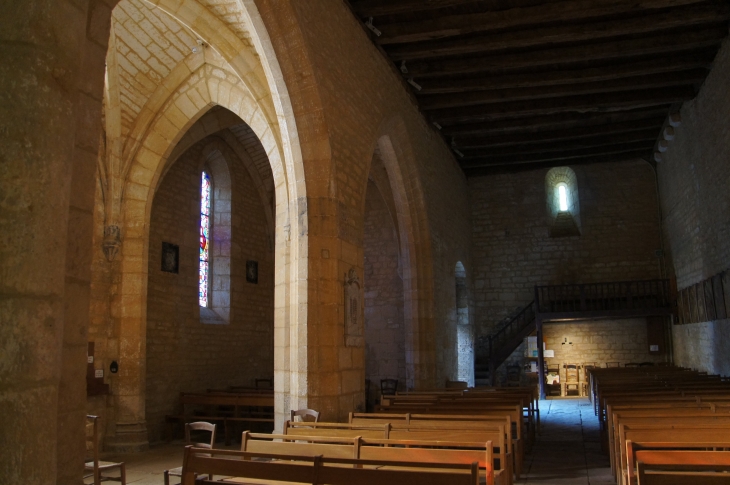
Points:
x=39 y=45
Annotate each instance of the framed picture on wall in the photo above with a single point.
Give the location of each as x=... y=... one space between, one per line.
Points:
x=170 y=257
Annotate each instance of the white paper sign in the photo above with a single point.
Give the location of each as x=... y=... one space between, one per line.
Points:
x=549 y=353
x=99 y=373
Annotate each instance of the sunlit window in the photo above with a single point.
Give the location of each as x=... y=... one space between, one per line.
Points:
x=204 y=267
x=563 y=197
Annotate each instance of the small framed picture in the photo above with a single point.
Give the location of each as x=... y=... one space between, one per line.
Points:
x=252 y=272
x=170 y=257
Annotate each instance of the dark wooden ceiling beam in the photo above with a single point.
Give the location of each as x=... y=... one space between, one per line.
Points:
x=550 y=12
x=584 y=104
x=560 y=121
x=582 y=132
x=645 y=138
x=457 y=84
x=691 y=77
x=622 y=49
x=564 y=157
x=375 y=8
x=520 y=167
x=665 y=20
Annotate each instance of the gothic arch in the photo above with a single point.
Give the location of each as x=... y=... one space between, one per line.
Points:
x=215 y=86
x=396 y=152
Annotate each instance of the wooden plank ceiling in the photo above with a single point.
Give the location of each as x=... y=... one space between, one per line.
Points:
x=522 y=84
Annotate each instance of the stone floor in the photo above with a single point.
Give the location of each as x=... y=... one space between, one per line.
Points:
x=567 y=451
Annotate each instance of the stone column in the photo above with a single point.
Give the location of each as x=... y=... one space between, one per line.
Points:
x=39 y=47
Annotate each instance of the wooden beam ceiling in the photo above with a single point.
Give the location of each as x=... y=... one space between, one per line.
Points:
x=526 y=84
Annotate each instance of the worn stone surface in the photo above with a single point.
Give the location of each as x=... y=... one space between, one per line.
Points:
x=601 y=341
x=190 y=348
x=568 y=449
x=513 y=251
x=693 y=181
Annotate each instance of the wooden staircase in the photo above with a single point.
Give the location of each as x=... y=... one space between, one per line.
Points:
x=621 y=299
x=494 y=349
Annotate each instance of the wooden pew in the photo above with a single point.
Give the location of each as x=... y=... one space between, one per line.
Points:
x=424 y=451
x=665 y=416
x=207 y=407
x=336 y=430
x=685 y=435
x=682 y=467
x=289 y=445
x=380 y=450
x=511 y=454
x=633 y=450
x=502 y=468
x=442 y=431
x=272 y=469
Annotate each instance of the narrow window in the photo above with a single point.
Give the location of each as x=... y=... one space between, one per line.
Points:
x=204 y=267
x=563 y=197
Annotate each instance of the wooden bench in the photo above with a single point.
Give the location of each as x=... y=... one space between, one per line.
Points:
x=211 y=407
x=682 y=467
x=330 y=447
x=684 y=435
x=510 y=451
x=336 y=430
x=501 y=464
x=271 y=469
x=667 y=417
x=425 y=451
x=384 y=450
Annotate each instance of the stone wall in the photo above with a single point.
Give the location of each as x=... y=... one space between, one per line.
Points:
x=513 y=252
x=694 y=183
x=385 y=355
x=599 y=342
x=190 y=348
x=349 y=99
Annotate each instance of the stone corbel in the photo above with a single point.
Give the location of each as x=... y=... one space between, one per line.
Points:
x=112 y=242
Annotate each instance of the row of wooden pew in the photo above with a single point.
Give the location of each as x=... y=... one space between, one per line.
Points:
x=487 y=433
x=663 y=425
x=230 y=408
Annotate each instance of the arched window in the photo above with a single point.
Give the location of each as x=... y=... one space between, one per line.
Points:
x=464 y=329
x=205 y=226
x=214 y=278
x=563 y=197
x=563 y=208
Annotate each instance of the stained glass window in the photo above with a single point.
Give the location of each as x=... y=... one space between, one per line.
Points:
x=204 y=268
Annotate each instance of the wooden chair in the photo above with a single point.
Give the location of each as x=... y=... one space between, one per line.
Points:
x=96 y=466
x=572 y=379
x=513 y=375
x=388 y=387
x=552 y=389
x=304 y=414
x=196 y=426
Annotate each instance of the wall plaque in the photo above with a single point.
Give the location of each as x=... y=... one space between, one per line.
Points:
x=353 y=310
x=252 y=272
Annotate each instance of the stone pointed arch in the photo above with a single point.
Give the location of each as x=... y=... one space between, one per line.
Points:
x=209 y=85
x=396 y=152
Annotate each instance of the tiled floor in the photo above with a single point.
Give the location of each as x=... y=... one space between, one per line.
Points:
x=567 y=451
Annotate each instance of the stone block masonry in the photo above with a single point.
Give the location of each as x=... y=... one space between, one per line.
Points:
x=694 y=183
x=513 y=252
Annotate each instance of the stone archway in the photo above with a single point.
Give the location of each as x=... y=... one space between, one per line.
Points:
x=214 y=87
x=396 y=154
